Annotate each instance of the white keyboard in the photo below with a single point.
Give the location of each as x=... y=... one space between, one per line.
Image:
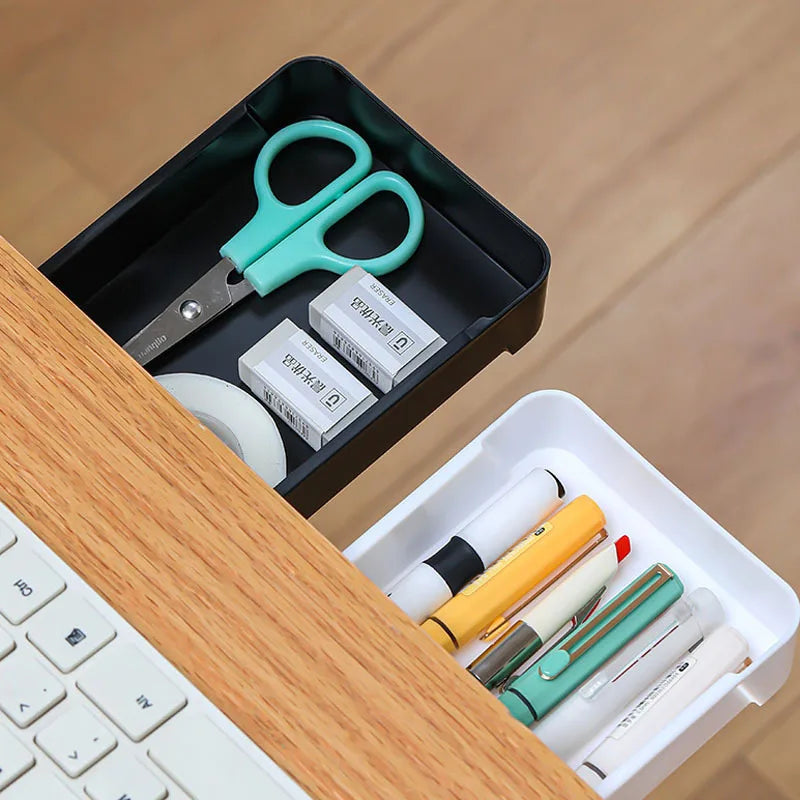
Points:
x=89 y=709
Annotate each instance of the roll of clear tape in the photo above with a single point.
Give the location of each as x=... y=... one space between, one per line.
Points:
x=235 y=417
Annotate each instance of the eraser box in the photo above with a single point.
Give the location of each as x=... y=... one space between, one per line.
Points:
x=478 y=277
x=557 y=431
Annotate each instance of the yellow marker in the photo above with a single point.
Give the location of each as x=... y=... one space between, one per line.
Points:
x=508 y=580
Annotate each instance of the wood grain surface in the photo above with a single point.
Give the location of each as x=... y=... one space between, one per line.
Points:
x=231 y=584
x=652 y=144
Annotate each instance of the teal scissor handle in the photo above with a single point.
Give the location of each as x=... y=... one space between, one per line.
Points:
x=274 y=220
x=305 y=248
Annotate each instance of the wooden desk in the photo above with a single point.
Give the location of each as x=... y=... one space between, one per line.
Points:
x=242 y=594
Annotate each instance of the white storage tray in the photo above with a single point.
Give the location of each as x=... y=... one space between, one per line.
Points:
x=556 y=430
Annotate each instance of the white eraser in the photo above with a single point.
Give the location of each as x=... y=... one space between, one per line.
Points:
x=372 y=328
x=303 y=384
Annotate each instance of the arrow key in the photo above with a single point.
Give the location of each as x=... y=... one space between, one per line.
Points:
x=27 y=689
x=76 y=741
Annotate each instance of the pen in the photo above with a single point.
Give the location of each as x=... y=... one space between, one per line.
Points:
x=678 y=631
x=562 y=669
x=508 y=580
x=478 y=544
x=724 y=651
x=574 y=594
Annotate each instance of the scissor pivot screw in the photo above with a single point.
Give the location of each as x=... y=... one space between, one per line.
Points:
x=191 y=309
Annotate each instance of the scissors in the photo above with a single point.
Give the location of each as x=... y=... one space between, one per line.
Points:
x=282 y=241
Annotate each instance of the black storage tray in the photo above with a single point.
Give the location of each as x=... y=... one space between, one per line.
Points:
x=478 y=277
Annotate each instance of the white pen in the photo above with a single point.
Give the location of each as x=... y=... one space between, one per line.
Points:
x=682 y=627
x=724 y=651
x=573 y=592
x=478 y=544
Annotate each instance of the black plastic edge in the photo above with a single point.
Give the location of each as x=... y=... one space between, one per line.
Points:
x=329 y=470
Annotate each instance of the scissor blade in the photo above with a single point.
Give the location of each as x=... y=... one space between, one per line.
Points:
x=219 y=289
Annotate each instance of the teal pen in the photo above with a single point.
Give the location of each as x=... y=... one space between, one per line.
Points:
x=583 y=651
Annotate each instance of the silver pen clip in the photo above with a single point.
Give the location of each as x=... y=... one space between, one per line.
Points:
x=575 y=643
x=583 y=613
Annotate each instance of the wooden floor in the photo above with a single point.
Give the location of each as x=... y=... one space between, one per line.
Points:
x=655 y=146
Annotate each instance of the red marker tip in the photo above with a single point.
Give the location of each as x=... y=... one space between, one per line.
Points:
x=623 y=547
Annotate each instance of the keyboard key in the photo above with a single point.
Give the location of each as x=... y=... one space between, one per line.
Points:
x=7 y=537
x=207 y=765
x=6 y=644
x=68 y=631
x=27 y=689
x=14 y=759
x=125 y=686
x=123 y=777
x=26 y=584
x=38 y=785
x=76 y=741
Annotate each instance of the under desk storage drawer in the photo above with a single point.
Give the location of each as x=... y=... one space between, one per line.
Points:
x=556 y=431
x=478 y=276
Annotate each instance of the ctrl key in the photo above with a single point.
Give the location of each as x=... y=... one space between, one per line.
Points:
x=15 y=760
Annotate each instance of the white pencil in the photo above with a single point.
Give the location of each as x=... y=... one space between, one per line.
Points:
x=724 y=651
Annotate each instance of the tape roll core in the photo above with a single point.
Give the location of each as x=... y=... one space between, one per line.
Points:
x=235 y=417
